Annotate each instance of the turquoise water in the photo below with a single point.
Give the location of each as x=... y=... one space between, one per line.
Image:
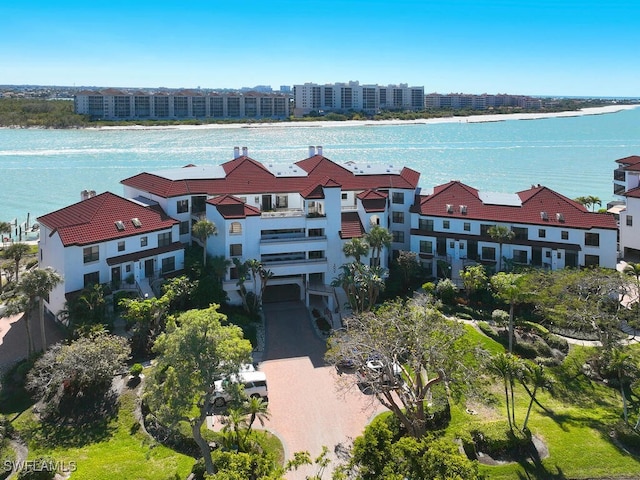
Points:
x=43 y=170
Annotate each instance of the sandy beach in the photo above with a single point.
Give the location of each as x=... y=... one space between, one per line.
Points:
x=359 y=123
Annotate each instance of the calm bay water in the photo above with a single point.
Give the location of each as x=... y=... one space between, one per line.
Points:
x=43 y=170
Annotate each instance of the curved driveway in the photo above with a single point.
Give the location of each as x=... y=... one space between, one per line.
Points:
x=307 y=411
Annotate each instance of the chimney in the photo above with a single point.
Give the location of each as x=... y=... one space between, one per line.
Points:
x=319 y=150
x=245 y=151
x=236 y=152
x=87 y=194
x=312 y=151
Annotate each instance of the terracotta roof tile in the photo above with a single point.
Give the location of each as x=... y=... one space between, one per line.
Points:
x=560 y=210
x=231 y=207
x=373 y=201
x=94 y=220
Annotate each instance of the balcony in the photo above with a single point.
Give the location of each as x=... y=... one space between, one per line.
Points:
x=282 y=213
x=618 y=189
x=288 y=239
x=619 y=175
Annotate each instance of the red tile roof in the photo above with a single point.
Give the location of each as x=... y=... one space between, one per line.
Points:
x=351 y=226
x=373 y=201
x=534 y=201
x=244 y=175
x=94 y=220
x=231 y=207
x=633 y=193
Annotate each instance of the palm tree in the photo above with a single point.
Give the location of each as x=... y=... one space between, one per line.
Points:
x=32 y=289
x=535 y=374
x=378 y=238
x=356 y=248
x=203 y=229
x=623 y=364
x=257 y=409
x=501 y=234
x=505 y=366
x=509 y=288
x=15 y=252
x=593 y=201
x=633 y=269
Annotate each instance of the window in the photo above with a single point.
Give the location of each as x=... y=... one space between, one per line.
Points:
x=488 y=253
x=484 y=229
x=235 y=249
x=520 y=256
x=143 y=241
x=282 y=201
x=398 y=236
x=446 y=224
x=452 y=244
x=127 y=268
x=91 y=254
x=235 y=228
x=182 y=206
x=591 y=260
x=397 y=197
x=425 y=224
x=397 y=217
x=164 y=239
x=629 y=220
x=121 y=246
x=233 y=273
x=344 y=196
x=316 y=254
x=184 y=227
x=467 y=226
x=92 y=278
x=426 y=246
x=592 y=239
x=520 y=233
x=564 y=234
x=168 y=264
x=542 y=233
x=316 y=232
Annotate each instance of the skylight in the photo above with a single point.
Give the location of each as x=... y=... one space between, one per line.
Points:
x=136 y=222
x=119 y=225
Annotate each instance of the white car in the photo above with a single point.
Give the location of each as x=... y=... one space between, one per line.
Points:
x=375 y=369
x=254 y=382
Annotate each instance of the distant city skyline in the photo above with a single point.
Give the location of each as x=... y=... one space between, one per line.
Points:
x=543 y=47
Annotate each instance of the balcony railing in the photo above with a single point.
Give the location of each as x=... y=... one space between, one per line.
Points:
x=285 y=239
x=283 y=213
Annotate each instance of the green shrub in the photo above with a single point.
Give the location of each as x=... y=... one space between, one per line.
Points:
x=627 y=437
x=465 y=316
x=42 y=468
x=557 y=343
x=500 y=317
x=136 y=369
x=446 y=291
x=535 y=327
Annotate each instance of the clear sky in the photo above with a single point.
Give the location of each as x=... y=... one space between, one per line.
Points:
x=543 y=47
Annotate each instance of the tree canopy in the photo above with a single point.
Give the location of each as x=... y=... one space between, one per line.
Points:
x=415 y=347
x=195 y=350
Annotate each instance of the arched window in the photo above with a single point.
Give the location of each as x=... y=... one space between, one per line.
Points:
x=375 y=220
x=235 y=228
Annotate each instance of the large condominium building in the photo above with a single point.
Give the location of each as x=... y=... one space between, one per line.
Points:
x=456 y=101
x=550 y=230
x=295 y=218
x=114 y=104
x=626 y=183
x=342 y=97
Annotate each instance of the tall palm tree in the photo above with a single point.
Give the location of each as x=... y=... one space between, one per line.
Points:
x=624 y=366
x=510 y=288
x=500 y=234
x=356 y=248
x=33 y=288
x=15 y=252
x=378 y=238
x=535 y=374
x=203 y=229
x=505 y=366
x=593 y=201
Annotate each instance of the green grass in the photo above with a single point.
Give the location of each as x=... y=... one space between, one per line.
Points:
x=574 y=424
x=121 y=451
x=477 y=338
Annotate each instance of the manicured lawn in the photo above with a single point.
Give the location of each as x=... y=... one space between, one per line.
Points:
x=120 y=451
x=575 y=423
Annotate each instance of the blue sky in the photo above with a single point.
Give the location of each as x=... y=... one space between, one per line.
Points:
x=542 y=47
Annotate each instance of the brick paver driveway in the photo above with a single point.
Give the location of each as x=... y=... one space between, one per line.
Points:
x=306 y=409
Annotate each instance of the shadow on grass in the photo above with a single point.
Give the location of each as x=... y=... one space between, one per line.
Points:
x=537 y=471
x=82 y=423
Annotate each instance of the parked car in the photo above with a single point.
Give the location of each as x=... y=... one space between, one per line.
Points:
x=254 y=382
x=375 y=370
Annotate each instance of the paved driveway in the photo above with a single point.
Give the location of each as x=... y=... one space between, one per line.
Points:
x=306 y=409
